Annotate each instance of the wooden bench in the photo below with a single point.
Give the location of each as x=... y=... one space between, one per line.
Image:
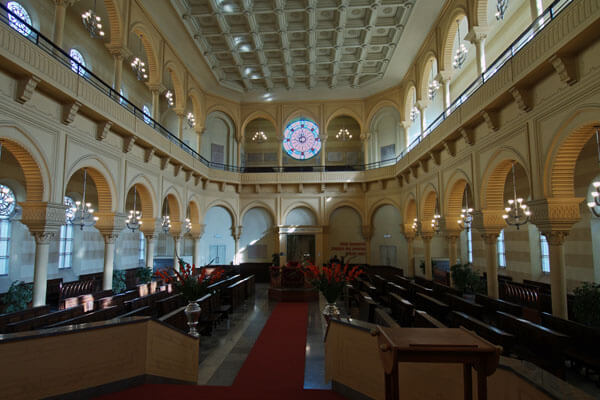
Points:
x=433 y=306
x=235 y=294
x=366 y=308
x=424 y=320
x=491 y=305
x=168 y=304
x=94 y=316
x=401 y=280
x=397 y=289
x=486 y=331
x=17 y=316
x=380 y=285
x=142 y=311
x=542 y=346
x=414 y=288
x=403 y=310
x=463 y=305
x=440 y=290
x=384 y=319
x=44 y=320
x=424 y=282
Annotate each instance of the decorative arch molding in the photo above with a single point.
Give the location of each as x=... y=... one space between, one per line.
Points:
x=198 y=105
x=37 y=178
x=381 y=203
x=174 y=200
x=194 y=208
x=103 y=179
x=256 y=115
x=445 y=61
x=480 y=16
x=115 y=24
x=410 y=89
x=298 y=114
x=147 y=195
x=342 y=204
x=177 y=77
x=563 y=152
x=494 y=177
x=430 y=197
x=140 y=30
x=217 y=112
x=301 y=204
x=410 y=209
x=380 y=106
x=259 y=204
x=344 y=111
x=425 y=69
x=455 y=189
x=223 y=204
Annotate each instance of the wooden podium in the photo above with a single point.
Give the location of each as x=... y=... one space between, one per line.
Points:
x=436 y=345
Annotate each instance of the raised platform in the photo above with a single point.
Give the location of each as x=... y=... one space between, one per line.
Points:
x=296 y=295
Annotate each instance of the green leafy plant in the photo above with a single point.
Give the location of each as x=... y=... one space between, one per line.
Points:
x=143 y=274
x=118 y=281
x=586 y=305
x=466 y=279
x=18 y=297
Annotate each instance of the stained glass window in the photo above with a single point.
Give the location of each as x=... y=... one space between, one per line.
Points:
x=501 y=250
x=77 y=62
x=65 y=244
x=301 y=139
x=147 y=118
x=15 y=23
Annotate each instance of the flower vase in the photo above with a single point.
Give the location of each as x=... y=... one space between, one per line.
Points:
x=331 y=311
x=192 y=313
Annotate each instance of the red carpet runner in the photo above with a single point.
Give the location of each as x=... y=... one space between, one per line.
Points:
x=274 y=368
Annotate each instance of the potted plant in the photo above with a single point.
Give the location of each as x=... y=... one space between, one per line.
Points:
x=330 y=282
x=143 y=274
x=586 y=304
x=192 y=287
x=467 y=280
x=18 y=297
x=119 y=284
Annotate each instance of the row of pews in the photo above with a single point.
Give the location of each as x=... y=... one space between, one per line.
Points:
x=547 y=341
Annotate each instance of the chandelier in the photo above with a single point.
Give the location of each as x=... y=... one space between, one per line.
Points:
x=435 y=221
x=170 y=98
x=416 y=226
x=133 y=221
x=83 y=214
x=259 y=137
x=466 y=216
x=434 y=86
x=501 y=7
x=461 y=53
x=414 y=112
x=93 y=23
x=139 y=67
x=517 y=212
x=191 y=120
x=343 y=135
x=596 y=194
x=188 y=226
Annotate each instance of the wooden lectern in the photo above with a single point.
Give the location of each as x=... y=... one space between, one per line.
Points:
x=437 y=345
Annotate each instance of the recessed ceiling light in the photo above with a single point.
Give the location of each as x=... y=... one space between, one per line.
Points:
x=245 y=48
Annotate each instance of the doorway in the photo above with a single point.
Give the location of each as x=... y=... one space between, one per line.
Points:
x=301 y=248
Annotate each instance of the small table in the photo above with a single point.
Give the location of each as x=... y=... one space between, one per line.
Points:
x=437 y=345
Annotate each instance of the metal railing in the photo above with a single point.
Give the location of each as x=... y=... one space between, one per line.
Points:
x=59 y=54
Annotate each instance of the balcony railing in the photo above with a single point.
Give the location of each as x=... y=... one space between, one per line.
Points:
x=56 y=52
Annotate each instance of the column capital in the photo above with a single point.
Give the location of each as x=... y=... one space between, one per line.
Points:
x=422 y=104
x=110 y=222
x=490 y=238
x=110 y=238
x=365 y=136
x=236 y=232
x=42 y=217
x=323 y=137
x=197 y=231
x=65 y=3
x=555 y=214
x=426 y=236
x=555 y=238
x=443 y=77
x=156 y=87
x=452 y=236
x=118 y=51
x=42 y=237
x=488 y=221
x=476 y=34
x=180 y=112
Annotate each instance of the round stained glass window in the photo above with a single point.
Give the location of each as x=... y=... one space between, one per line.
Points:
x=17 y=23
x=7 y=202
x=301 y=139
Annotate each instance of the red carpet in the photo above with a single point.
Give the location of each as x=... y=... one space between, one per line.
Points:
x=274 y=368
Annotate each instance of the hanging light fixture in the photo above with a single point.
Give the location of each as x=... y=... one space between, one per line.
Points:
x=83 y=215
x=343 y=135
x=595 y=205
x=414 y=113
x=501 y=7
x=466 y=216
x=166 y=220
x=461 y=53
x=259 y=137
x=93 y=23
x=170 y=98
x=434 y=86
x=416 y=226
x=435 y=221
x=191 y=120
x=134 y=220
x=517 y=212
x=138 y=66
x=187 y=228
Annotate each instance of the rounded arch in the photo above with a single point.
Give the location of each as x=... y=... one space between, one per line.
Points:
x=409 y=96
x=223 y=204
x=410 y=209
x=103 y=180
x=380 y=203
x=217 y=112
x=36 y=188
x=344 y=111
x=194 y=213
x=174 y=202
x=428 y=204
x=448 y=38
x=256 y=115
x=176 y=76
x=301 y=204
x=301 y=113
x=198 y=108
x=494 y=178
x=114 y=23
x=480 y=14
x=258 y=204
x=146 y=193
x=458 y=183
x=429 y=61
x=569 y=140
x=142 y=33
x=378 y=107
x=345 y=203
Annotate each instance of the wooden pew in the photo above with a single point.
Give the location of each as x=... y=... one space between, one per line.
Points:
x=542 y=346
x=491 y=305
x=441 y=289
x=397 y=289
x=414 y=288
x=384 y=319
x=94 y=316
x=401 y=280
x=424 y=282
x=433 y=306
x=366 y=308
x=584 y=346
x=17 y=316
x=380 y=284
x=486 y=331
x=424 y=320
x=234 y=294
x=44 y=320
x=463 y=305
x=403 y=310
x=142 y=311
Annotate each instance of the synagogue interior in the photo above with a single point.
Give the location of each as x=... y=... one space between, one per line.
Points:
x=183 y=182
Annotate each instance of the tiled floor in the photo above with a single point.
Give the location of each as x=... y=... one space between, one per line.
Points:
x=223 y=354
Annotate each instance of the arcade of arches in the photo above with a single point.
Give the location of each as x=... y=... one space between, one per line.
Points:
x=537 y=113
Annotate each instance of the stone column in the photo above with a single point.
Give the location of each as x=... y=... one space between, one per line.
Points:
x=323 y=137
x=452 y=238
x=477 y=37
x=236 y=232
x=40 y=271
x=558 y=272
x=410 y=254
x=119 y=55
x=364 y=137
x=109 y=259
x=444 y=79
x=60 y=11
x=196 y=235
x=491 y=261
x=180 y=120
x=150 y=242
x=427 y=244
x=176 y=249
x=422 y=106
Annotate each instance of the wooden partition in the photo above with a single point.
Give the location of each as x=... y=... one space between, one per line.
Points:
x=352 y=362
x=44 y=363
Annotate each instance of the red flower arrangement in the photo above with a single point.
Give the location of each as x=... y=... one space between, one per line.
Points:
x=192 y=287
x=331 y=280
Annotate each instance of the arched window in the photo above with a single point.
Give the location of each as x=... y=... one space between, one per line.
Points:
x=18 y=24
x=501 y=250
x=301 y=139
x=77 y=62
x=65 y=245
x=470 y=245
x=7 y=209
x=142 y=246
x=147 y=114
x=545 y=254
x=122 y=98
